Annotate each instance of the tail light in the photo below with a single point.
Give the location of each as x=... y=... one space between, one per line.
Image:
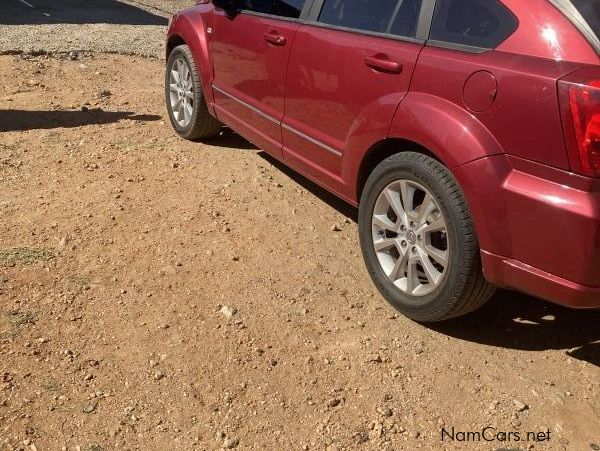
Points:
x=579 y=95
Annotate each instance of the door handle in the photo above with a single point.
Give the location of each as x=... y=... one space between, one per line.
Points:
x=275 y=38
x=382 y=63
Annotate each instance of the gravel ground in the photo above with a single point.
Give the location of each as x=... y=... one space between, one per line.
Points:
x=93 y=25
x=159 y=294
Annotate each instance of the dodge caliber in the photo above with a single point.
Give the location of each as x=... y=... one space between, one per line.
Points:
x=467 y=132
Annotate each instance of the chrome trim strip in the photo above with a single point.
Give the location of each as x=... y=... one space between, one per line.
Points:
x=275 y=121
x=312 y=140
x=247 y=105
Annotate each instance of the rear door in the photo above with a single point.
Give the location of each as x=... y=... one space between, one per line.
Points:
x=250 y=51
x=350 y=66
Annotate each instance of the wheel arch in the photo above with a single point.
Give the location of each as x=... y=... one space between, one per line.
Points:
x=379 y=152
x=433 y=126
x=173 y=41
x=189 y=29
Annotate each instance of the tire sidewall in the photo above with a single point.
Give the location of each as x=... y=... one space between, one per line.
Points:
x=177 y=53
x=442 y=300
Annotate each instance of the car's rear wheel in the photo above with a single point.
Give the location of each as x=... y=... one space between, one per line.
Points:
x=418 y=239
x=185 y=99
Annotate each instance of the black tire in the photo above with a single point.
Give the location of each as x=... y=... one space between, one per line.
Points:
x=463 y=288
x=202 y=124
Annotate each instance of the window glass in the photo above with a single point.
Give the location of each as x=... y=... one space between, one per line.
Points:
x=284 y=8
x=399 y=17
x=478 y=23
x=590 y=10
x=406 y=20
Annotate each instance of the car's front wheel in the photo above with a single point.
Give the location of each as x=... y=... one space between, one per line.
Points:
x=185 y=99
x=418 y=239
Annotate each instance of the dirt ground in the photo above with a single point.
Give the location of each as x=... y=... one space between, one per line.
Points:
x=157 y=294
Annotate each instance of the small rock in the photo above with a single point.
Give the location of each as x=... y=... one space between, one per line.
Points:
x=230 y=443
x=228 y=311
x=335 y=228
x=334 y=402
x=158 y=375
x=361 y=437
x=375 y=358
x=520 y=406
x=105 y=93
x=385 y=411
x=89 y=408
x=88 y=377
x=595 y=447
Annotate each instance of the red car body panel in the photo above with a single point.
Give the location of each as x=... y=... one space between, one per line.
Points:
x=493 y=118
x=318 y=80
x=545 y=32
x=253 y=71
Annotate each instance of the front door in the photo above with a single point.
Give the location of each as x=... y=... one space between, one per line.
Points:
x=250 y=51
x=350 y=66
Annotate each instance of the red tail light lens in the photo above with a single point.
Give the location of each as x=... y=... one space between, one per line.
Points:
x=580 y=102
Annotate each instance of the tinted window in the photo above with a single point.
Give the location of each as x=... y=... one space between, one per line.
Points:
x=399 y=17
x=590 y=10
x=478 y=23
x=284 y=8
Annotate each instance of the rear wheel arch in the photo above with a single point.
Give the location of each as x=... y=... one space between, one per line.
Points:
x=382 y=150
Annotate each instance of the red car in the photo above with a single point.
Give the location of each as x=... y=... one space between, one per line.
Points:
x=466 y=131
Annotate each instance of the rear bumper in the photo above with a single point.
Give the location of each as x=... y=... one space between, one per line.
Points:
x=538 y=228
x=514 y=274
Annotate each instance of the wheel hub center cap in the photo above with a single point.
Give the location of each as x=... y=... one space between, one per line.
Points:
x=411 y=237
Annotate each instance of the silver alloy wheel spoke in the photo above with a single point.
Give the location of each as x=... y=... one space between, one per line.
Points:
x=432 y=274
x=411 y=277
x=399 y=267
x=384 y=243
x=393 y=199
x=410 y=237
x=181 y=92
x=407 y=192
x=437 y=225
x=427 y=207
x=436 y=254
x=384 y=222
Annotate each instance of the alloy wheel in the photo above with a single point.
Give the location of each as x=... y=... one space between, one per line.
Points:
x=410 y=237
x=181 y=92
